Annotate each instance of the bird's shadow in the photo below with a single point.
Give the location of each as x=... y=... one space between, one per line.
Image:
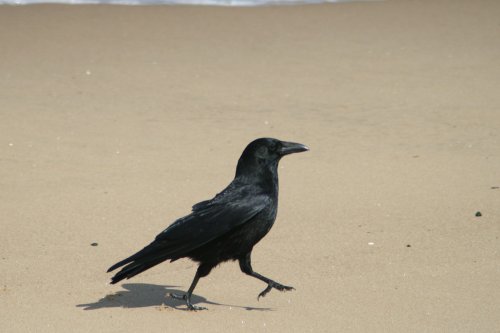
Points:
x=138 y=295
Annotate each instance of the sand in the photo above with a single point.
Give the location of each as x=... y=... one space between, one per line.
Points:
x=115 y=120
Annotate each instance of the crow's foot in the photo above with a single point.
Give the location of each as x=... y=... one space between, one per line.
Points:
x=274 y=285
x=190 y=306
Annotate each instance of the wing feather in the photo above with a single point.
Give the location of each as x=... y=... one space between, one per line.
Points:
x=210 y=219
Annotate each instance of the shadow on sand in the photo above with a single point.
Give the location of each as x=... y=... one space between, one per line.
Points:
x=138 y=295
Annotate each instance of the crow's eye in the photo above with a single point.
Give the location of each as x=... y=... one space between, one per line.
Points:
x=274 y=147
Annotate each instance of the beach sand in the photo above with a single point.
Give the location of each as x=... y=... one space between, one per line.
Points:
x=114 y=120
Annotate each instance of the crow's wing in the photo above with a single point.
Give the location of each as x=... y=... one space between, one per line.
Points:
x=212 y=219
x=209 y=220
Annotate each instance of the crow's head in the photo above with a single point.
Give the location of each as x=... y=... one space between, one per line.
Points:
x=265 y=153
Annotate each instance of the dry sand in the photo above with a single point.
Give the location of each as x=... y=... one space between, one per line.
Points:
x=115 y=120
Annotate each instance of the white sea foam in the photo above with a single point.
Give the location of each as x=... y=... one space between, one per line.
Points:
x=177 y=2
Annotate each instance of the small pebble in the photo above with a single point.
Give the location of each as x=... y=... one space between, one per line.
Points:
x=408 y=245
x=94 y=244
x=478 y=214
x=495 y=187
x=371 y=243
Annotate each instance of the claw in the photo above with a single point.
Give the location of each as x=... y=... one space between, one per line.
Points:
x=274 y=285
x=192 y=307
x=265 y=291
x=281 y=287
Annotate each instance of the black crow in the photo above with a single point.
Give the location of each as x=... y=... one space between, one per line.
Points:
x=226 y=227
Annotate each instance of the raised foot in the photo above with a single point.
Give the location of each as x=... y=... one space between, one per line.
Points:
x=190 y=306
x=274 y=285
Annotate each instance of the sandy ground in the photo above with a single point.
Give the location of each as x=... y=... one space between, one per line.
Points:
x=115 y=120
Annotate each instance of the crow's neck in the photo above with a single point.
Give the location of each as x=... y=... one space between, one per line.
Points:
x=260 y=173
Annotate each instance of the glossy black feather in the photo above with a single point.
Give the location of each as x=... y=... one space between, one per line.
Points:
x=225 y=227
x=209 y=220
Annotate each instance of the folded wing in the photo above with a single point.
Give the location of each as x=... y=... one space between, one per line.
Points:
x=209 y=220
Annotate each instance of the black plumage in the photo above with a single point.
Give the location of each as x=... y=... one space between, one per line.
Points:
x=226 y=227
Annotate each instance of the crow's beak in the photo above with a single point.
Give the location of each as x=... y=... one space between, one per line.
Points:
x=292 y=147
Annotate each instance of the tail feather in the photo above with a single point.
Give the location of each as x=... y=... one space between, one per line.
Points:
x=153 y=254
x=149 y=252
x=135 y=268
x=120 y=264
x=150 y=256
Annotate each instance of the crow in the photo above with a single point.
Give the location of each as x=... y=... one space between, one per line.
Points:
x=226 y=227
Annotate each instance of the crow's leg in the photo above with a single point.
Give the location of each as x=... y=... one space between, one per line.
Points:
x=202 y=271
x=246 y=267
